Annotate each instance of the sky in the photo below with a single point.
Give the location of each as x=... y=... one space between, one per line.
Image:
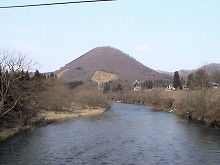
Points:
x=166 y=35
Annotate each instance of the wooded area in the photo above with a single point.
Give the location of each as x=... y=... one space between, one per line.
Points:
x=25 y=94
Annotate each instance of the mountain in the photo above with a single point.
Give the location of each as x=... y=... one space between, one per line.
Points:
x=164 y=72
x=209 y=68
x=110 y=60
x=183 y=72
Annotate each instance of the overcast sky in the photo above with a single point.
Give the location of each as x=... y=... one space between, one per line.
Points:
x=162 y=34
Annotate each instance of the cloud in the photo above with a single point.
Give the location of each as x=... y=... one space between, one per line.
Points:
x=144 y=47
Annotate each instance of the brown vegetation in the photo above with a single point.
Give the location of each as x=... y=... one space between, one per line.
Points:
x=55 y=96
x=58 y=102
x=24 y=99
x=149 y=97
x=201 y=105
x=90 y=98
x=16 y=90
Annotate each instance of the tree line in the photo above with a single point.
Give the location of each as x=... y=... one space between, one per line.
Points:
x=25 y=94
x=197 y=80
x=19 y=93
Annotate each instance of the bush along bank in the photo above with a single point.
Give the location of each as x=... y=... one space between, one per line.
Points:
x=201 y=105
x=198 y=105
x=152 y=98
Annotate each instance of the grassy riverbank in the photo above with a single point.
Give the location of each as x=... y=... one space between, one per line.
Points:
x=48 y=117
x=200 y=105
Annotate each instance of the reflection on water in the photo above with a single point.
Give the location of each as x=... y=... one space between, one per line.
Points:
x=126 y=134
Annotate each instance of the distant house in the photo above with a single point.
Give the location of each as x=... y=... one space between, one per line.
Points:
x=139 y=85
x=168 y=87
x=164 y=86
x=214 y=85
x=171 y=87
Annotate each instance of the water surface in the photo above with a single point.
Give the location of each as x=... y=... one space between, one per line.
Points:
x=126 y=134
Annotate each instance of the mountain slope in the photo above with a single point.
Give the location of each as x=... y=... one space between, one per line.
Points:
x=209 y=68
x=110 y=60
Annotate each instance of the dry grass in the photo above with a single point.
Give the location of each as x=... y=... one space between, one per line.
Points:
x=92 y=98
x=49 y=117
x=149 y=97
x=6 y=133
x=177 y=94
x=203 y=105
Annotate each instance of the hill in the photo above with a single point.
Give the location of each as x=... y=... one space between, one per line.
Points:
x=109 y=60
x=209 y=68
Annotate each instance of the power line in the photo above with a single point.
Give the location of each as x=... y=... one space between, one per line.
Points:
x=52 y=4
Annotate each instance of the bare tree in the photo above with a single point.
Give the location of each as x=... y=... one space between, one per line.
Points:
x=55 y=96
x=14 y=90
x=198 y=80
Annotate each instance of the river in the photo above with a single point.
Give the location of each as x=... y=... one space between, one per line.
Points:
x=126 y=134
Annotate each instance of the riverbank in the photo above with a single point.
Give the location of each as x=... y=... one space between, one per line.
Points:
x=198 y=105
x=53 y=116
x=49 y=117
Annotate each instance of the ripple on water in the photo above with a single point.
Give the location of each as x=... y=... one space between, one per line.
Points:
x=127 y=134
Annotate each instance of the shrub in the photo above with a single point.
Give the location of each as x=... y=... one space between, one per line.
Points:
x=91 y=98
x=55 y=97
x=201 y=105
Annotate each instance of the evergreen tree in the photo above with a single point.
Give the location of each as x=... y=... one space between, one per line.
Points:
x=106 y=87
x=149 y=84
x=74 y=84
x=37 y=74
x=190 y=83
x=119 y=88
x=176 y=81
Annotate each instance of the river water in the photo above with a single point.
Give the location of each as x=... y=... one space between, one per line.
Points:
x=126 y=134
